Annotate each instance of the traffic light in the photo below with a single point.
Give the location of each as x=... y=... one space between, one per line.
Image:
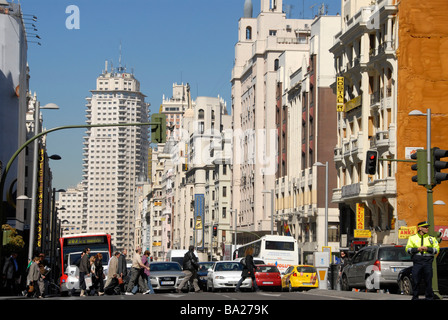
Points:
x=438 y=165
x=371 y=161
x=215 y=231
x=420 y=167
x=158 y=130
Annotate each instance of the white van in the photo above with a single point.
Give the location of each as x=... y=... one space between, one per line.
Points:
x=178 y=256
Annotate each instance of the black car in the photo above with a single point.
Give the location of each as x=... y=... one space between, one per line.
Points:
x=405 y=276
x=202 y=274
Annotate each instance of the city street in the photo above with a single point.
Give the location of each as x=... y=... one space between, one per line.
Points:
x=314 y=294
x=223 y=305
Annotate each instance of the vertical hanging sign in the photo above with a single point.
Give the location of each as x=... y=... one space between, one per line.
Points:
x=40 y=197
x=199 y=220
x=360 y=216
x=340 y=94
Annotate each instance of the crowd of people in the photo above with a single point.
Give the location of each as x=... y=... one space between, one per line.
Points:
x=34 y=280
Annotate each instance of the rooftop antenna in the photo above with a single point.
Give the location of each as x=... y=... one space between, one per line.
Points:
x=288 y=9
x=312 y=8
x=120 y=68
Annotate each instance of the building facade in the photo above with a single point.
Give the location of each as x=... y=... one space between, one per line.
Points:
x=306 y=122
x=261 y=41
x=115 y=158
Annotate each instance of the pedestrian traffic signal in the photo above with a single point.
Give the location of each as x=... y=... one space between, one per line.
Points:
x=438 y=165
x=215 y=231
x=371 y=161
x=158 y=128
x=421 y=167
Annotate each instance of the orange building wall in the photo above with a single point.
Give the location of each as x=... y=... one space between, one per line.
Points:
x=422 y=83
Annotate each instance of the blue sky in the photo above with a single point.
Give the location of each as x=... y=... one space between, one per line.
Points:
x=163 y=42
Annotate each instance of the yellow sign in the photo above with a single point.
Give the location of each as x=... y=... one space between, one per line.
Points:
x=340 y=94
x=352 y=104
x=406 y=232
x=362 y=233
x=360 y=216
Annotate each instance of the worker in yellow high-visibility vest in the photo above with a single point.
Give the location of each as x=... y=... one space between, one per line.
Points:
x=423 y=248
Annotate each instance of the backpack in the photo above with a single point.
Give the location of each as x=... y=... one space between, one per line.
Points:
x=243 y=262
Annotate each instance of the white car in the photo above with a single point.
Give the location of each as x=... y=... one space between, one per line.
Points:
x=225 y=275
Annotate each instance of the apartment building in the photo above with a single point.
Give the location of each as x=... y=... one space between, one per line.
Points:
x=306 y=122
x=115 y=158
x=365 y=53
x=261 y=41
x=70 y=211
x=192 y=182
x=14 y=86
x=174 y=107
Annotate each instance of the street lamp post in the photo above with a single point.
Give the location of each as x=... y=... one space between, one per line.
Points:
x=319 y=164
x=235 y=211
x=35 y=172
x=272 y=208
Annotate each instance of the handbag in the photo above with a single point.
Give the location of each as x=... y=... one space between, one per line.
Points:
x=30 y=288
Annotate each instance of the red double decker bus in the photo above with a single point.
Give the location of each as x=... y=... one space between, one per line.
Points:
x=71 y=248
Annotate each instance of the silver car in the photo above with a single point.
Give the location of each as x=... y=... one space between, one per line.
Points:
x=376 y=267
x=165 y=275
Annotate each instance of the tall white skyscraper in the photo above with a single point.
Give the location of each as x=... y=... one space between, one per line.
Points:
x=115 y=158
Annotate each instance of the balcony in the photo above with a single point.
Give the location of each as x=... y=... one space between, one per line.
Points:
x=387 y=186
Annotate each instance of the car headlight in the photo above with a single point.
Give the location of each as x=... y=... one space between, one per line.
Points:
x=219 y=277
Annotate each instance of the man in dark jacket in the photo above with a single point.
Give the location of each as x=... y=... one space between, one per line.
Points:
x=123 y=270
x=84 y=270
x=190 y=266
x=249 y=269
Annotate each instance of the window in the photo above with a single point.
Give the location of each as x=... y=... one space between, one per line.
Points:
x=248 y=33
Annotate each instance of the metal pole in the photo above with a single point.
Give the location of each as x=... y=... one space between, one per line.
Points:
x=34 y=182
x=429 y=199
x=272 y=211
x=428 y=145
x=326 y=203
x=236 y=219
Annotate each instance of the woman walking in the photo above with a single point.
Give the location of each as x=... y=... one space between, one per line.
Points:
x=249 y=269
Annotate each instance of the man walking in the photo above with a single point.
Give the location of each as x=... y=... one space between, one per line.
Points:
x=190 y=266
x=136 y=269
x=422 y=247
x=84 y=270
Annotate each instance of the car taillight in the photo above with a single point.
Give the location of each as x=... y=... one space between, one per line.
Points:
x=378 y=264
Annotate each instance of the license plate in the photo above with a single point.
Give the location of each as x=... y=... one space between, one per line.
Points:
x=268 y=282
x=397 y=269
x=167 y=283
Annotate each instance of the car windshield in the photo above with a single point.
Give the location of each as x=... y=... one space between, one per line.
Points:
x=169 y=266
x=228 y=266
x=306 y=269
x=267 y=269
x=75 y=257
x=393 y=254
x=205 y=266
